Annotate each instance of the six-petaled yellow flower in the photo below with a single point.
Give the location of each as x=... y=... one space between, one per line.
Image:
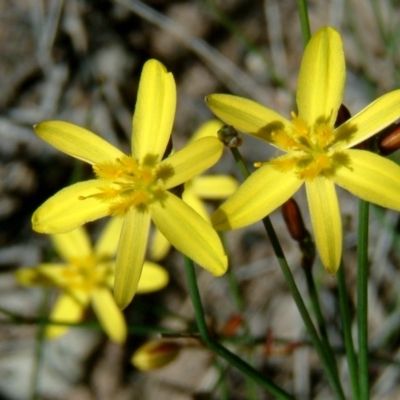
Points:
x=211 y=187
x=136 y=186
x=317 y=153
x=87 y=277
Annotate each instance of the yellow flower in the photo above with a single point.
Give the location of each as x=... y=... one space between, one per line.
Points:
x=136 y=186
x=212 y=187
x=317 y=153
x=87 y=277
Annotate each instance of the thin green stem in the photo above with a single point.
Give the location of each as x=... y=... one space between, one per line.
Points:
x=304 y=22
x=235 y=290
x=40 y=338
x=239 y=162
x=315 y=303
x=347 y=336
x=330 y=370
x=362 y=298
x=319 y=348
x=217 y=348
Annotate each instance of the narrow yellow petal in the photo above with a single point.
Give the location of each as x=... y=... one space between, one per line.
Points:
x=130 y=256
x=65 y=211
x=372 y=178
x=321 y=78
x=326 y=221
x=209 y=128
x=190 y=233
x=107 y=244
x=49 y=274
x=154 y=277
x=109 y=315
x=192 y=160
x=247 y=115
x=261 y=193
x=159 y=245
x=214 y=186
x=68 y=308
x=77 y=142
x=72 y=245
x=154 y=111
x=191 y=198
x=372 y=119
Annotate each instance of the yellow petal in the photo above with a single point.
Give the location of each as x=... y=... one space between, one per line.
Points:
x=214 y=186
x=372 y=178
x=247 y=115
x=65 y=211
x=77 y=142
x=68 y=308
x=48 y=274
x=107 y=244
x=130 y=255
x=261 y=193
x=109 y=315
x=191 y=198
x=159 y=246
x=321 y=78
x=372 y=119
x=154 y=111
x=154 y=277
x=209 y=128
x=326 y=221
x=192 y=160
x=190 y=233
x=72 y=245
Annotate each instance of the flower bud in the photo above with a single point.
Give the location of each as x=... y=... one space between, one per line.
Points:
x=298 y=231
x=294 y=220
x=155 y=354
x=389 y=141
x=229 y=136
x=232 y=325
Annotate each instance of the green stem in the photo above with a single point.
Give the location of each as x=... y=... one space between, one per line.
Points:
x=40 y=338
x=304 y=22
x=319 y=348
x=348 y=338
x=362 y=298
x=217 y=348
x=315 y=303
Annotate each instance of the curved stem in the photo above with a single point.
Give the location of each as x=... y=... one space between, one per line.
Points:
x=315 y=303
x=217 y=348
x=294 y=291
x=362 y=298
x=304 y=22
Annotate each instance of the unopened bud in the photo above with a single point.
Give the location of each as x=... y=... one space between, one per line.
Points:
x=342 y=116
x=294 y=220
x=155 y=354
x=229 y=136
x=232 y=325
x=298 y=231
x=389 y=141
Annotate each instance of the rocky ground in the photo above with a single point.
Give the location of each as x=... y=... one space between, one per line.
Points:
x=80 y=61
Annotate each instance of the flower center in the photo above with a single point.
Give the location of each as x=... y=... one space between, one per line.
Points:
x=127 y=183
x=87 y=273
x=308 y=148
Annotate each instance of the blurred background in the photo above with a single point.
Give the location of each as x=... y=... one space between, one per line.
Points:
x=80 y=61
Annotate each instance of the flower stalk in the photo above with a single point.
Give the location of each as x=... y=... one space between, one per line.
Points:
x=217 y=348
